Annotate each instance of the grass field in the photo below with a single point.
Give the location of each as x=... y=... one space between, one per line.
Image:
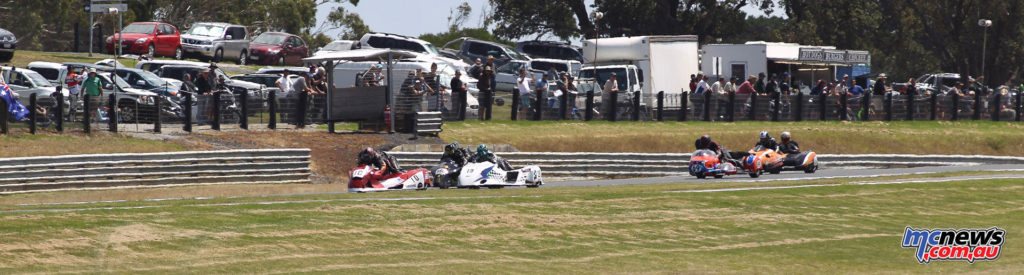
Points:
x=72 y=144
x=617 y=229
x=921 y=137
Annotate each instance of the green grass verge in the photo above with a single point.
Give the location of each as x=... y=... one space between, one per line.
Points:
x=48 y=144
x=917 y=137
x=617 y=229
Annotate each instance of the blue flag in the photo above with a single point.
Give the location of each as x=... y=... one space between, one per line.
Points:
x=13 y=105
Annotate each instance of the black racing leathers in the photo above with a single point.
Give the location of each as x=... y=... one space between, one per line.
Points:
x=459 y=157
x=790 y=147
x=770 y=144
x=723 y=154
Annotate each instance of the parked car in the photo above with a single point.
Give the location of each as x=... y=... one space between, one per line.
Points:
x=28 y=82
x=506 y=79
x=146 y=80
x=337 y=46
x=397 y=42
x=937 y=82
x=551 y=50
x=267 y=80
x=470 y=49
x=8 y=43
x=154 y=65
x=216 y=41
x=278 y=48
x=150 y=38
x=280 y=70
x=55 y=73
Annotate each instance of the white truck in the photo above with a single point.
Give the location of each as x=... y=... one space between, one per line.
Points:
x=649 y=64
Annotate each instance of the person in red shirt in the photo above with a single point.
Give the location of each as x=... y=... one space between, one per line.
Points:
x=747 y=87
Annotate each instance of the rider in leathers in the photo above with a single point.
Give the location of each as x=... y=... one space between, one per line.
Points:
x=767 y=141
x=484 y=155
x=788 y=145
x=384 y=163
x=705 y=143
x=455 y=154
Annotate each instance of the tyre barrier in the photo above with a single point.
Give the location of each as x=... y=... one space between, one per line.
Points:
x=109 y=171
x=674 y=164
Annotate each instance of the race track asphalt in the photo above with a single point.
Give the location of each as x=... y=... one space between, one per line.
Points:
x=795 y=175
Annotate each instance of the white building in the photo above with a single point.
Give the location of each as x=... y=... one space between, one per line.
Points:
x=805 y=64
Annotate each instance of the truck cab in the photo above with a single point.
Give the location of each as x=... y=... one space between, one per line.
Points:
x=630 y=79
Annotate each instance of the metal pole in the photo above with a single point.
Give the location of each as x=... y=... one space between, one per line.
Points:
x=90 y=34
x=984 y=42
x=391 y=95
x=112 y=111
x=272 y=108
x=120 y=33
x=188 y=112
x=32 y=104
x=60 y=110
x=330 y=96
x=156 y=122
x=4 y=127
x=243 y=121
x=86 y=117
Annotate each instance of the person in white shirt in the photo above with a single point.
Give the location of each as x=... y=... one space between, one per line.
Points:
x=716 y=87
x=284 y=84
x=702 y=86
x=524 y=81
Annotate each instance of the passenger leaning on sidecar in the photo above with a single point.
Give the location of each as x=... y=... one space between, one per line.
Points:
x=705 y=143
x=382 y=161
x=484 y=155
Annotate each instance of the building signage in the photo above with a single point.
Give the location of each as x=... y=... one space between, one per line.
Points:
x=858 y=57
x=811 y=54
x=834 y=55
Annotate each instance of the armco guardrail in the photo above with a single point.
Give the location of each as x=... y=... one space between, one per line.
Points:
x=650 y=165
x=34 y=174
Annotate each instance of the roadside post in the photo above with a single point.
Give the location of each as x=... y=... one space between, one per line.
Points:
x=865 y=106
x=777 y=102
x=300 y=110
x=956 y=106
x=636 y=106
x=112 y=112
x=215 y=122
x=994 y=103
x=613 y=106
x=272 y=108
x=799 y=114
x=977 y=106
x=86 y=117
x=156 y=121
x=538 y=106
x=587 y=115
x=60 y=111
x=843 y=113
x=515 y=105
x=752 y=115
x=188 y=112
x=731 y=108
x=888 y=106
x=910 y=107
x=822 y=111
x=243 y=120
x=3 y=117
x=934 y=102
x=31 y=113
x=683 y=101
x=563 y=105
x=661 y=106
x=707 y=105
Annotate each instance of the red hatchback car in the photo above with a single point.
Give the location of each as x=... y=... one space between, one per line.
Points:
x=278 y=48
x=152 y=38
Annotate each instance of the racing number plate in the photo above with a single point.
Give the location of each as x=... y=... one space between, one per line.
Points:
x=7 y=45
x=359 y=173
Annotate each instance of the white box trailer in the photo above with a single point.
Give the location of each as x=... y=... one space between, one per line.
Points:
x=664 y=62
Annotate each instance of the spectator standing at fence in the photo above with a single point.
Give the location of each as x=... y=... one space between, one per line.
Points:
x=730 y=86
x=771 y=87
x=477 y=70
x=759 y=85
x=284 y=84
x=1006 y=104
x=541 y=87
x=523 y=84
x=716 y=87
x=693 y=83
x=203 y=82
x=747 y=87
x=912 y=87
x=818 y=89
x=321 y=79
x=702 y=84
x=881 y=86
x=485 y=84
x=187 y=85
x=458 y=93
x=610 y=86
x=93 y=88
x=855 y=90
x=784 y=84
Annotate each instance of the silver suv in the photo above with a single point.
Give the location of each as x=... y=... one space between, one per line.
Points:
x=217 y=41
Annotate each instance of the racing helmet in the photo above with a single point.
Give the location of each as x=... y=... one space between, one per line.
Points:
x=481 y=151
x=785 y=137
x=704 y=140
x=765 y=136
x=366 y=155
x=451 y=148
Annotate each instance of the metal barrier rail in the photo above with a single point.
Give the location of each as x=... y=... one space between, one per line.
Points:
x=103 y=171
